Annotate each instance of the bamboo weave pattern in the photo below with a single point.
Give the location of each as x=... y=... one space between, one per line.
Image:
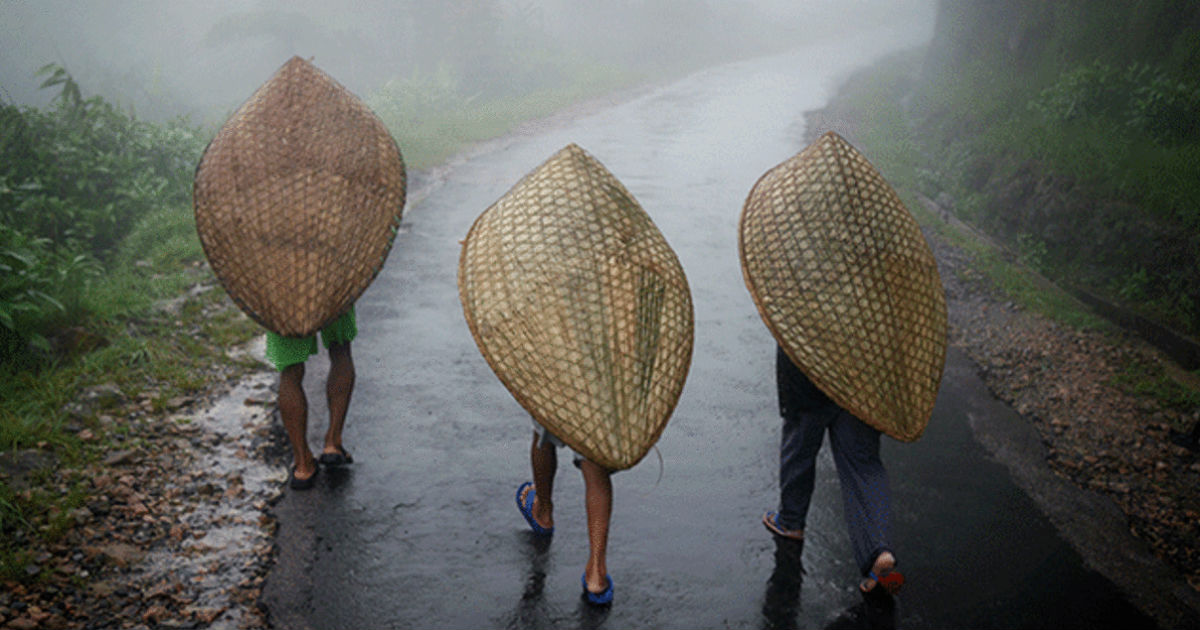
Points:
x=297 y=200
x=580 y=307
x=847 y=284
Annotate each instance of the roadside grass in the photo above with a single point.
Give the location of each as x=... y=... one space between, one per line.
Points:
x=432 y=121
x=886 y=133
x=891 y=144
x=1154 y=380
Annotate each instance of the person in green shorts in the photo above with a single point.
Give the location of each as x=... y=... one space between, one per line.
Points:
x=289 y=354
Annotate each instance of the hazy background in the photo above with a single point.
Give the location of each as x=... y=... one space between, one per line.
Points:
x=164 y=58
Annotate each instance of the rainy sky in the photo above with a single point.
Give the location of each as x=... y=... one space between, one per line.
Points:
x=170 y=57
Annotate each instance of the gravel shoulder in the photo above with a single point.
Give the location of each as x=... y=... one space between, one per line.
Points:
x=1095 y=456
x=174 y=532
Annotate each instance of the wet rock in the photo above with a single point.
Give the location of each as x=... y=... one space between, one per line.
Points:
x=22 y=623
x=205 y=615
x=154 y=613
x=121 y=457
x=19 y=466
x=172 y=307
x=120 y=554
x=104 y=396
x=178 y=402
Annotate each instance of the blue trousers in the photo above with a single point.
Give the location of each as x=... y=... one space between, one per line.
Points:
x=866 y=500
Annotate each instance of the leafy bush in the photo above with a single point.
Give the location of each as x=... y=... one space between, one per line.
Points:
x=74 y=179
x=1139 y=97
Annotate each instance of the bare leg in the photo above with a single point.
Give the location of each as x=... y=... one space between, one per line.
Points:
x=598 y=483
x=543 y=458
x=338 y=388
x=293 y=410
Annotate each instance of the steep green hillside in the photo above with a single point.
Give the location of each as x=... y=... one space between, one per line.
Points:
x=1071 y=130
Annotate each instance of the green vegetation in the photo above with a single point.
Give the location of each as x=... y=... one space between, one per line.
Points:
x=433 y=116
x=1152 y=379
x=1073 y=136
x=886 y=132
x=901 y=149
x=72 y=180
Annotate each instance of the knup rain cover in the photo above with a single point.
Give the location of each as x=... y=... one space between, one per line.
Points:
x=846 y=282
x=297 y=200
x=580 y=307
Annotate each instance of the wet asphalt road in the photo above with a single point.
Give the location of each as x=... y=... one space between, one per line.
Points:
x=423 y=532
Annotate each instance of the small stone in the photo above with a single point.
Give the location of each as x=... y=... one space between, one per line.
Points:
x=154 y=613
x=206 y=615
x=105 y=395
x=179 y=401
x=22 y=623
x=120 y=554
x=117 y=458
x=81 y=515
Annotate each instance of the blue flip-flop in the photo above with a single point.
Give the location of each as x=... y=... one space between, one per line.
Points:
x=770 y=520
x=598 y=599
x=527 y=510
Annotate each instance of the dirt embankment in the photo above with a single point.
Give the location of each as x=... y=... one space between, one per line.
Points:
x=172 y=531
x=1101 y=435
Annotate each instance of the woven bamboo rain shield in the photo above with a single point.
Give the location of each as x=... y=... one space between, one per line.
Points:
x=580 y=307
x=846 y=282
x=297 y=200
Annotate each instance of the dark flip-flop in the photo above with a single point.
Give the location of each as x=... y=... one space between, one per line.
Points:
x=303 y=484
x=340 y=458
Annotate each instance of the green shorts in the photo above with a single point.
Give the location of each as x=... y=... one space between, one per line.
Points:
x=285 y=351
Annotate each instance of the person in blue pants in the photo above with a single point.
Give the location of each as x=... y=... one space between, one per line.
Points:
x=807 y=414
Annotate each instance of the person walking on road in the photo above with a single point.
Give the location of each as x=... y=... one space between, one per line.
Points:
x=536 y=503
x=298 y=200
x=866 y=499
x=289 y=355
x=843 y=278
x=582 y=309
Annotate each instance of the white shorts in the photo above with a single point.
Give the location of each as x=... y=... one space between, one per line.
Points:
x=546 y=436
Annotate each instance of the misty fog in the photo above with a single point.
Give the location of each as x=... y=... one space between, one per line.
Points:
x=202 y=58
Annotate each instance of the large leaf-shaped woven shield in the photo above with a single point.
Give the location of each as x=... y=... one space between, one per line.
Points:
x=297 y=200
x=580 y=307
x=846 y=282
